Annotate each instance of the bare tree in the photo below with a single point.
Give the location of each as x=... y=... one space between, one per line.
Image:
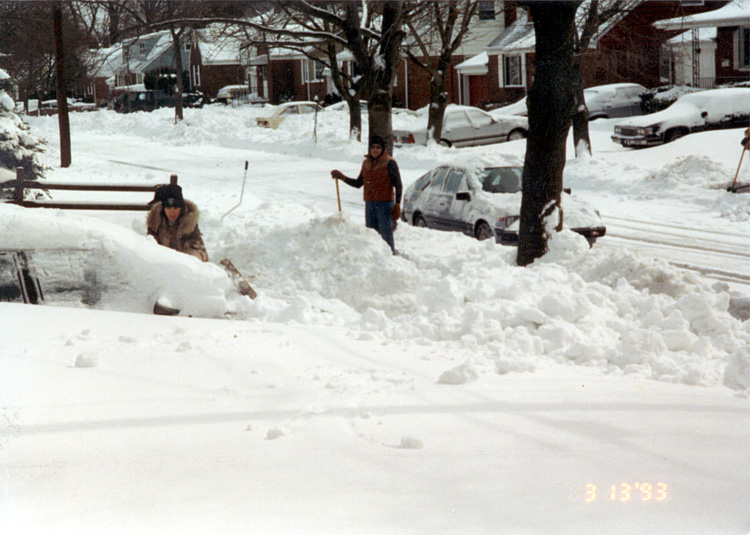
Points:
x=550 y=104
x=443 y=26
x=62 y=97
x=590 y=19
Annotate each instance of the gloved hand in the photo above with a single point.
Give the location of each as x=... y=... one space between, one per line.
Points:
x=336 y=174
x=396 y=212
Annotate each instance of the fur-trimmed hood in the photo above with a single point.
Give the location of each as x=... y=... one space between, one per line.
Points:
x=186 y=224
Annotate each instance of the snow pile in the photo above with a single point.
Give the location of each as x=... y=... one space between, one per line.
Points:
x=698 y=171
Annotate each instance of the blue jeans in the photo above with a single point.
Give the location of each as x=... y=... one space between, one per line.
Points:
x=378 y=217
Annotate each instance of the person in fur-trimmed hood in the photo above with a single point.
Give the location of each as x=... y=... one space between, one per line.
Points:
x=173 y=222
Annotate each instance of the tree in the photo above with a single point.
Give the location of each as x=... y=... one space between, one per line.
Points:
x=62 y=96
x=590 y=19
x=550 y=103
x=443 y=25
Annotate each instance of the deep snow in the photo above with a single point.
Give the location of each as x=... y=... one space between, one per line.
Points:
x=444 y=390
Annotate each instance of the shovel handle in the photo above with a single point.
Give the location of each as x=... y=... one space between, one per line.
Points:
x=738 y=167
x=338 y=195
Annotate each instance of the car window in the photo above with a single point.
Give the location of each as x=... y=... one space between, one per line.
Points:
x=306 y=109
x=457 y=119
x=291 y=110
x=438 y=178
x=422 y=182
x=502 y=179
x=478 y=118
x=454 y=180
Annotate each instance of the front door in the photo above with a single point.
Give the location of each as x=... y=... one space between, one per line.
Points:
x=477 y=90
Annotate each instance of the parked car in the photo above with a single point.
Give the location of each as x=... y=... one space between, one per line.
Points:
x=485 y=202
x=464 y=126
x=146 y=100
x=695 y=112
x=283 y=111
x=603 y=101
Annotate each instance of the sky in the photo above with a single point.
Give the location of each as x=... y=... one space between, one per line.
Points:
x=443 y=390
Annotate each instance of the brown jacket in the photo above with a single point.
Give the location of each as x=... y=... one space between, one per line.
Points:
x=184 y=236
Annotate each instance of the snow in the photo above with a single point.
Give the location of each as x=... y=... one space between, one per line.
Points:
x=442 y=390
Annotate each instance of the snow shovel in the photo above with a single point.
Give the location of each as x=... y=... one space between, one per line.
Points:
x=338 y=195
x=238 y=278
x=745 y=145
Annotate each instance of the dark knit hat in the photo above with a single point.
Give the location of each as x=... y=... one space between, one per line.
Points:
x=377 y=140
x=171 y=196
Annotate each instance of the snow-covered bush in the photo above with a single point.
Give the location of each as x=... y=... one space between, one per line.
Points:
x=18 y=147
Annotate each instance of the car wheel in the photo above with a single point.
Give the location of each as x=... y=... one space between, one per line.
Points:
x=419 y=221
x=517 y=134
x=595 y=117
x=483 y=231
x=677 y=133
x=445 y=143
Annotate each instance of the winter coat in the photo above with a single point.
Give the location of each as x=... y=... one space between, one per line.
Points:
x=380 y=177
x=184 y=236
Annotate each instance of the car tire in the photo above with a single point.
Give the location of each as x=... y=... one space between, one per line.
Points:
x=445 y=143
x=518 y=133
x=419 y=221
x=482 y=231
x=676 y=133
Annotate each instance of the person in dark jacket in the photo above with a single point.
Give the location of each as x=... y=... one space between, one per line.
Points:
x=173 y=222
x=382 y=194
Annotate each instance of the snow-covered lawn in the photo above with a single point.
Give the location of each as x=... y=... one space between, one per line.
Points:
x=441 y=391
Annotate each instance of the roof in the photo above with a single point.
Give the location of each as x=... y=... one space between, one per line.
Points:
x=705 y=35
x=735 y=13
x=519 y=37
x=474 y=65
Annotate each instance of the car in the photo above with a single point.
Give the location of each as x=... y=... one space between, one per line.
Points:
x=343 y=105
x=603 y=101
x=287 y=109
x=713 y=109
x=464 y=126
x=485 y=202
x=146 y=100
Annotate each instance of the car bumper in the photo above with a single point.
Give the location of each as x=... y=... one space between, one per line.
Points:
x=637 y=141
x=510 y=237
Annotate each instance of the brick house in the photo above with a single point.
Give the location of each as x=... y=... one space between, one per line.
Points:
x=626 y=49
x=730 y=55
x=215 y=64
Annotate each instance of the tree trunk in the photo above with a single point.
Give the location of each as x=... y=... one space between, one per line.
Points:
x=580 y=119
x=62 y=97
x=180 y=89
x=438 y=100
x=381 y=90
x=550 y=104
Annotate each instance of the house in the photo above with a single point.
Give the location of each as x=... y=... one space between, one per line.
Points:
x=689 y=59
x=627 y=48
x=215 y=63
x=729 y=57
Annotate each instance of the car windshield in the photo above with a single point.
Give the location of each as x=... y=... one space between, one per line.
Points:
x=501 y=179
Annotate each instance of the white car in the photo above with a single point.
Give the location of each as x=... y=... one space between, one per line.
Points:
x=603 y=102
x=283 y=111
x=485 y=202
x=695 y=112
x=464 y=126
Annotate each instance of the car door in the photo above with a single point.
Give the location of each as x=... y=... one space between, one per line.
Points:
x=432 y=201
x=485 y=129
x=457 y=216
x=457 y=128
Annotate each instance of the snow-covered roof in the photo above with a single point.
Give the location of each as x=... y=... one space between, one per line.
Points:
x=705 y=35
x=3 y=75
x=735 y=13
x=519 y=37
x=474 y=65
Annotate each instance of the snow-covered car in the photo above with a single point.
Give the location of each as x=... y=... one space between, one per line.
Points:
x=603 y=101
x=287 y=109
x=485 y=202
x=464 y=126
x=695 y=112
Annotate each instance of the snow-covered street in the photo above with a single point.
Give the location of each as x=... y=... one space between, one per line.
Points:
x=441 y=391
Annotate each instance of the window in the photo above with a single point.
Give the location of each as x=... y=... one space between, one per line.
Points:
x=319 y=67
x=456 y=119
x=744 y=48
x=511 y=71
x=438 y=179
x=187 y=47
x=486 y=10
x=478 y=118
x=142 y=49
x=454 y=181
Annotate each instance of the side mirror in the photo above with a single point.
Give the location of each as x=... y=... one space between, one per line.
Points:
x=463 y=196
x=704 y=114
